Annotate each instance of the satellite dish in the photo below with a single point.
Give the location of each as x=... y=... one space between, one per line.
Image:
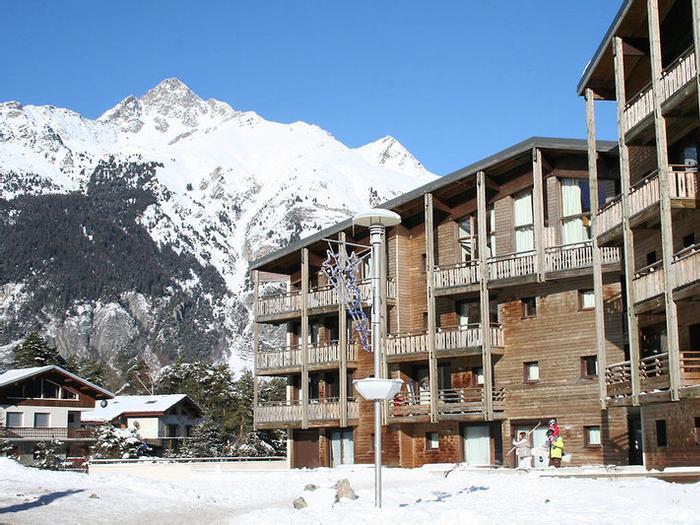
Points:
x=103 y=403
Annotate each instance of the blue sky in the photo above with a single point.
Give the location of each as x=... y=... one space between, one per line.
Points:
x=454 y=81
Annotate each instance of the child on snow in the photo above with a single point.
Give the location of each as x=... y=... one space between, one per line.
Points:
x=556 y=448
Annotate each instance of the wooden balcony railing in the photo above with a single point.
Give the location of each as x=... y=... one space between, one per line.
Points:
x=512 y=265
x=618 y=379
x=452 y=401
x=568 y=257
x=461 y=274
x=446 y=339
x=690 y=367
x=290 y=412
x=644 y=193
x=649 y=282
x=674 y=77
x=609 y=217
x=278 y=303
x=653 y=373
x=686 y=264
x=290 y=356
x=33 y=433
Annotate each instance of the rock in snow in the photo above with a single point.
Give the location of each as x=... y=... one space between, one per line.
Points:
x=217 y=188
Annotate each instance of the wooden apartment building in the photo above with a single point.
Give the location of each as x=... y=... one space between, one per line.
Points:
x=490 y=315
x=648 y=64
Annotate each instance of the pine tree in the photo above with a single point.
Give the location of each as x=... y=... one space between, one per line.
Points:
x=47 y=455
x=34 y=351
x=88 y=367
x=117 y=443
x=207 y=441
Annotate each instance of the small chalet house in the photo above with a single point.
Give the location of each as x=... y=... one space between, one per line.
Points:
x=46 y=402
x=161 y=421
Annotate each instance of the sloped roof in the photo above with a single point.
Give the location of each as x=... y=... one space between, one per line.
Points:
x=20 y=374
x=135 y=405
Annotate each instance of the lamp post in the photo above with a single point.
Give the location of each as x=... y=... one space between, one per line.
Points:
x=377 y=388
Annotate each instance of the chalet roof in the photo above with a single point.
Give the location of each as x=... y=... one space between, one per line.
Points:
x=545 y=143
x=20 y=374
x=135 y=405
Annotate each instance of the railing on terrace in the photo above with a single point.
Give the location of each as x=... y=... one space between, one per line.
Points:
x=468 y=400
x=649 y=282
x=446 y=339
x=653 y=373
x=512 y=265
x=46 y=433
x=644 y=193
x=674 y=77
x=618 y=378
x=690 y=367
x=609 y=216
x=461 y=274
x=686 y=264
x=406 y=404
x=406 y=344
x=290 y=356
x=568 y=257
x=684 y=182
x=278 y=303
x=291 y=411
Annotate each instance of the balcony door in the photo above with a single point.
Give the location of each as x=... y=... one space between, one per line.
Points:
x=342 y=448
x=477 y=445
x=576 y=211
x=523 y=220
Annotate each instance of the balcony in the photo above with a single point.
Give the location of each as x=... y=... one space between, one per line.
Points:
x=447 y=340
x=645 y=193
x=451 y=402
x=653 y=374
x=577 y=256
x=686 y=264
x=512 y=265
x=40 y=434
x=289 y=413
x=649 y=282
x=673 y=79
x=289 y=357
x=609 y=217
x=462 y=274
x=288 y=303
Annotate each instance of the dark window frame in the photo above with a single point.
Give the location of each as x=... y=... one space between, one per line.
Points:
x=584 y=367
x=661 y=433
x=429 y=440
x=525 y=310
x=581 y=307
x=526 y=375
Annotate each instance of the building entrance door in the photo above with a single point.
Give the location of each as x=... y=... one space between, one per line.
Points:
x=634 y=428
x=306 y=453
x=342 y=448
x=477 y=445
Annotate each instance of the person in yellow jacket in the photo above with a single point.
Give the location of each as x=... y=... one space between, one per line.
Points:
x=556 y=449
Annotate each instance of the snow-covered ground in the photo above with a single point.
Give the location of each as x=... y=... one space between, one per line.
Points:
x=410 y=496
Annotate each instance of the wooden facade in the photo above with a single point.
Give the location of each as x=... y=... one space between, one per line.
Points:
x=490 y=320
x=648 y=64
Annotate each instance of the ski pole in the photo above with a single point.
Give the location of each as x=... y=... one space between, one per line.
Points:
x=531 y=431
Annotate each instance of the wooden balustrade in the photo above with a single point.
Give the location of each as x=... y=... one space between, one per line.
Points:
x=447 y=339
x=686 y=265
x=609 y=217
x=322 y=296
x=406 y=404
x=406 y=344
x=278 y=412
x=684 y=183
x=618 y=379
x=609 y=255
x=653 y=373
x=512 y=265
x=673 y=79
x=690 y=367
x=37 y=433
x=568 y=257
x=285 y=357
x=278 y=303
x=320 y=353
x=649 y=282
x=466 y=401
x=644 y=193
x=353 y=409
x=461 y=274
x=324 y=409
x=458 y=337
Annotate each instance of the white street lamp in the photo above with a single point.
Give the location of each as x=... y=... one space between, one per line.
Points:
x=377 y=388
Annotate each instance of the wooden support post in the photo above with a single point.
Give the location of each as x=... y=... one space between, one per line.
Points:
x=304 y=338
x=538 y=212
x=696 y=39
x=597 y=262
x=432 y=322
x=664 y=200
x=343 y=343
x=628 y=239
x=256 y=343
x=486 y=360
x=383 y=312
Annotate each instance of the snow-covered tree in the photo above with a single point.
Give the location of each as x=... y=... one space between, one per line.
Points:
x=207 y=441
x=117 y=443
x=46 y=455
x=34 y=351
x=6 y=448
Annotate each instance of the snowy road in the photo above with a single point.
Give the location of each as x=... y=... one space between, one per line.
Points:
x=29 y=496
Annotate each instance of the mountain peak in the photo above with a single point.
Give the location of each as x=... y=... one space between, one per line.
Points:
x=388 y=152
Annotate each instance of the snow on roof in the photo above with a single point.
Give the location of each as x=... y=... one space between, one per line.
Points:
x=19 y=374
x=132 y=404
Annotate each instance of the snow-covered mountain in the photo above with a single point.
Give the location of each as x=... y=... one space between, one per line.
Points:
x=194 y=191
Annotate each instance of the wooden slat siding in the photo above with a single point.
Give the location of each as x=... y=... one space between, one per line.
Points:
x=503 y=208
x=561 y=392
x=430 y=300
x=680 y=432
x=414 y=447
x=628 y=239
x=554 y=208
x=597 y=263
x=446 y=236
x=484 y=297
x=395 y=267
x=665 y=198
x=304 y=337
x=696 y=40
x=538 y=212
x=642 y=161
x=343 y=342
x=256 y=342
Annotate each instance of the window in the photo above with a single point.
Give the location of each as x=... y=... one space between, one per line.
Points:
x=651 y=258
x=42 y=420
x=529 y=306
x=589 y=366
x=478 y=376
x=576 y=211
x=697 y=431
x=591 y=436
x=68 y=394
x=466 y=237
x=524 y=223
x=688 y=240
x=661 y=438
x=423 y=263
x=586 y=299
x=73 y=419
x=425 y=320
x=14 y=419
x=432 y=441
x=532 y=372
